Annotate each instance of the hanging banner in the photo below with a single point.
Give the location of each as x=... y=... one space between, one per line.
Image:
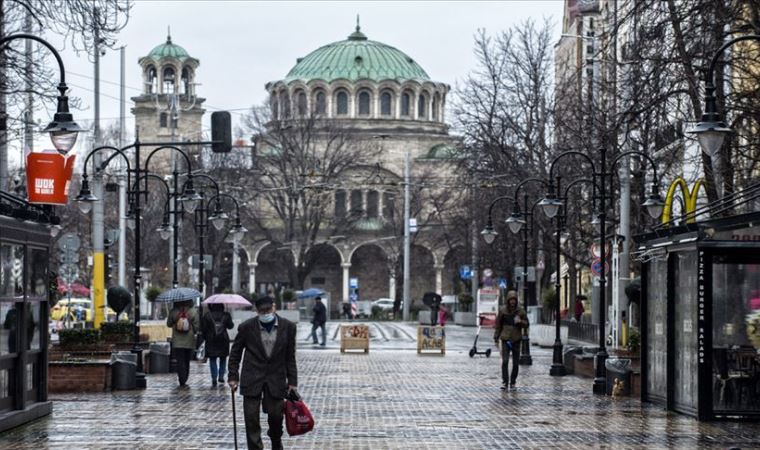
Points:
x=48 y=175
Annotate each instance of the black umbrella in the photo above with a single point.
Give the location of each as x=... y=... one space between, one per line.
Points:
x=180 y=294
x=431 y=297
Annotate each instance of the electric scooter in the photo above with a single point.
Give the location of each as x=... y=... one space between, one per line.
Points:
x=474 y=350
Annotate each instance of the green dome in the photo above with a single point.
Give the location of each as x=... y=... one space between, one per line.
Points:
x=168 y=50
x=442 y=151
x=354 y=59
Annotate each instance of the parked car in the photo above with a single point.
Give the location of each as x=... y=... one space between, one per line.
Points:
x=386 y=304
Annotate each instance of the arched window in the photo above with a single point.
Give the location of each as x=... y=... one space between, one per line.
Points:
x=364 y=101
x=185 y=85
x=356 y=202
x=386 y=104
x=341 y=103
x=162 y=120
x=373 y=204
x=406 y=101
x=340 y=204
x=388 y=205
x=152 y=80
x=434 y=108
x=169 y=81
x=421 y=103
x=275 y=108
x=285 y=105
x=320 y=103
x=301 y=100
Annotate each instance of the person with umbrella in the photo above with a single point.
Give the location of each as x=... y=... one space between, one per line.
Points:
x=184 y=322
x=214 y=325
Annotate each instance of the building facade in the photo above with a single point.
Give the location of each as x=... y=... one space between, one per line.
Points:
x=382 y=100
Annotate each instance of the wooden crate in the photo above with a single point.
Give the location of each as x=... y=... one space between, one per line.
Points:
x=354 y=337
x=431 y=338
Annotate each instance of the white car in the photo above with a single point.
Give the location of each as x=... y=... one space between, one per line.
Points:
x=386 y=304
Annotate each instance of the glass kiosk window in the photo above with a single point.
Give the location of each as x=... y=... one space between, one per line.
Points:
x=736 y=334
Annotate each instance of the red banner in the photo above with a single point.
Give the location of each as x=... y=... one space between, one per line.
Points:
x=47 y=177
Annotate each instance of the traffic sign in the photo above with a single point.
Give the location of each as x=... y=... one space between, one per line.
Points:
x=353 y=283
x=519 y=274
x=596 y=267
x=465 y=272
x=596 y=250
x=69 y=242
x=502 y=283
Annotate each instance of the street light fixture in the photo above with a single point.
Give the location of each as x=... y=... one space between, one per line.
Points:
x=515 y=222
x=85 y=198
x=711 y=130
x=63 y=130
x=218 y=219
x=489 y=234
x=654 y=204
x=550 y=205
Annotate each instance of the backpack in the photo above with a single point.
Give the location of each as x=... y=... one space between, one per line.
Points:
x=219 y=328
x=183 y=323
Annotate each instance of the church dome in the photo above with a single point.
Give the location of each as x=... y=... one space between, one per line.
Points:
x=168 y=50
x=356 y=58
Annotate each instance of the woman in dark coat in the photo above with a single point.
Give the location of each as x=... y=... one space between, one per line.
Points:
x=214 y=327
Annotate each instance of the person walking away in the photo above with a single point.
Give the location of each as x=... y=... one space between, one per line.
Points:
x=510 y=321
x=579 y=309
x=320 y=318
x=214 y=326
x=268 y=373
x=184 y=322
x=442 y=316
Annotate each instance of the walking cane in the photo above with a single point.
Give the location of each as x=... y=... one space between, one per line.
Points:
x=234 y=417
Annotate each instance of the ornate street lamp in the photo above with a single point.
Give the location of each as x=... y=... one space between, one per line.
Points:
x=711 y=130
x=63 y=130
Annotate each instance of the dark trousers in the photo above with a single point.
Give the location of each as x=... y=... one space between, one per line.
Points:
x=274 y=408
x=314 y=328
x=183 y=356
x=506 y=349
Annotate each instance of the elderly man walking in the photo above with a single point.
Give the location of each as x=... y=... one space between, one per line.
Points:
x=268 y=373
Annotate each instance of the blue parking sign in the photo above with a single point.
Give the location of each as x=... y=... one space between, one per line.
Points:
x=465 y=272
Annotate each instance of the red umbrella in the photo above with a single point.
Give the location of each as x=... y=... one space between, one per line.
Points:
x=76 y=289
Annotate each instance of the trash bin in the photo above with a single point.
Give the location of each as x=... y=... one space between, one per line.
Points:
x=620 y=369
x=159 y=357
x=123 y=370
x=568 y=357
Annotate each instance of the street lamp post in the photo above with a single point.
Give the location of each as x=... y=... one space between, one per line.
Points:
x=63 y=130
x=201 y=222
x=711 y=130
x=552 y=205
x=237 y=231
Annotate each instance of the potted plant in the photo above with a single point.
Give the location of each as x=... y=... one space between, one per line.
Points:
x=465 y=316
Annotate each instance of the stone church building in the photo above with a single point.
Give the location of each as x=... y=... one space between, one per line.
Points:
x=377 y=94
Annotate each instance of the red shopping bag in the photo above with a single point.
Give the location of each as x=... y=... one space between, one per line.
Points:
x=298 y=418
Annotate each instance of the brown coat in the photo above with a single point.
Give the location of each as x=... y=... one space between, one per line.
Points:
x=276 y=371
x=505 y=328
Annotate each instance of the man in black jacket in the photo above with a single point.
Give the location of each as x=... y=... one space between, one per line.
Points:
x=269 y=369
x=319 y=320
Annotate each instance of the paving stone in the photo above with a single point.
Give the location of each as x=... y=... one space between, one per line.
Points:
x=391 y=398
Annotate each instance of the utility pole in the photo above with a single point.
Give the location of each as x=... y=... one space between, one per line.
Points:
x=122 y=175
x=474 y=283
x=98 y=260
x=29 y=107
x=407 y=238
x=3 y=107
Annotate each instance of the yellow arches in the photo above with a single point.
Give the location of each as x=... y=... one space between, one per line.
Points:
x=689 y=199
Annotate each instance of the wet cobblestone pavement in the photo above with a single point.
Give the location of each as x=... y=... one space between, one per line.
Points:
x=391 y=398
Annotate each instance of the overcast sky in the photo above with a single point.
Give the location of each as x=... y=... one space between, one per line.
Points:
x=242 y=45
